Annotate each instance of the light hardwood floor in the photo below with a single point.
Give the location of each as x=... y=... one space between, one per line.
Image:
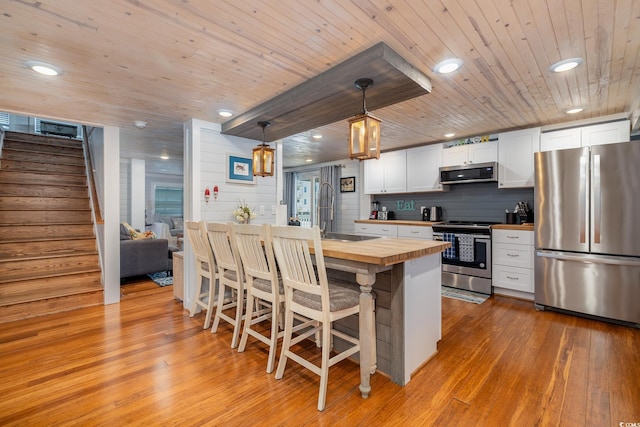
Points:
x=145 y=362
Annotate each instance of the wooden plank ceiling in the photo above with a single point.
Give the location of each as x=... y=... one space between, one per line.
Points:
x=165 y=61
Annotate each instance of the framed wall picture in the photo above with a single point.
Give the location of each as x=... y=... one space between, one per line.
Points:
x=348 y=184
x=240 y=169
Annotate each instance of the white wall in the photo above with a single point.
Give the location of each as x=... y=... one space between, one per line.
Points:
x=213 y=169
x=205 y=156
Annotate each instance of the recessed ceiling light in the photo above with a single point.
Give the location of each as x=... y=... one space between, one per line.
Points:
x=449 y=135
x=308 y=160
x=566 y=65
x=164 y=157
x=316 y=136
x=225 y=113
x=448 y=66
x=573 y=110
x=44 y=68
x=140 y=124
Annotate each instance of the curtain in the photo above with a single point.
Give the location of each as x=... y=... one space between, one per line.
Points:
x=290 y=193
x=327 y=212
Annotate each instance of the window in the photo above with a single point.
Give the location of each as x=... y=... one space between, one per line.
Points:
x=78 y=128
x=168 y=201
x=4 y=120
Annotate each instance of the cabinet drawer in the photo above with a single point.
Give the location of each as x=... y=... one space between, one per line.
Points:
x=377 y=229
x=509 y=254
x=415 y=232
x=521 y=237
x=519 y=279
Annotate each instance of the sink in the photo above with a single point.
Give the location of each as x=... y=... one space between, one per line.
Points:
x=343 y=237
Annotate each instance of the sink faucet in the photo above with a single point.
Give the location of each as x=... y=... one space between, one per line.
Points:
x=330 y=207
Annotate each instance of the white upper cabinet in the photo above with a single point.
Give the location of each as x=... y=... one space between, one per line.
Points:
x=470 y=153
x=586 y=136
x=515 y=157
x=561 y=139
x=423 y=168
x=388 y=174
x=606 y=133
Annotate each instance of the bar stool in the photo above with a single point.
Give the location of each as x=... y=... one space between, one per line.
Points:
x=230 y=277
x=308 y=292
x=205 y=269
x=265 y=292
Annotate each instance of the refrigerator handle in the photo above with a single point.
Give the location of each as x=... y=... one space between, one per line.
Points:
x=596 y=198
x=582 y=199
x=624 y=261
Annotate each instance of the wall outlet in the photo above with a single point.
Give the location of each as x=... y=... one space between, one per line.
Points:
x=261 y=209
x=273 y=209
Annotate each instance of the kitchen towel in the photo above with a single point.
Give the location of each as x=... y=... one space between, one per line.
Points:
x=451 y=252
x=465 y=243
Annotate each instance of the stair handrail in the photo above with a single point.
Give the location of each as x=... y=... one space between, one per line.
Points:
x=90 y=176
x=1 y=141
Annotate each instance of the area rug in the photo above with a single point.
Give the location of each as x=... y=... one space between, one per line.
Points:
x=463 y=295
x=161 y=278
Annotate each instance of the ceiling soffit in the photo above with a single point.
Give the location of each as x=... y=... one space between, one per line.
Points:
x=332 y=96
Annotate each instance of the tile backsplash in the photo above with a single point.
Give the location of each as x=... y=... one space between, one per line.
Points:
x=463 y=202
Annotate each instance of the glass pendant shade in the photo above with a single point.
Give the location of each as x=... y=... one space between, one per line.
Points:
x=263 y=160
x=364 y=137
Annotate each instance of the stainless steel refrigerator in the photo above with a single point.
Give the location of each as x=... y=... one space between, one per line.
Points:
x=587 y=231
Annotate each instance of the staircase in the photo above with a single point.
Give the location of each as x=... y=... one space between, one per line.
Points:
x=48 y=255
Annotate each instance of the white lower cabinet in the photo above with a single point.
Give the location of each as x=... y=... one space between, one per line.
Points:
x=415 y=232
x=512 y=263
x=394 y=230
x=383 y=230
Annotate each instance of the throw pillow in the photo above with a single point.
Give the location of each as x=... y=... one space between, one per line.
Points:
x=132 y=231
x=136 y=235
x=145 y=235
x=178 y=222
x=124 y=233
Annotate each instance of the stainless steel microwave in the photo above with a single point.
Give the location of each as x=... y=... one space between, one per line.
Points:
x=475 y=172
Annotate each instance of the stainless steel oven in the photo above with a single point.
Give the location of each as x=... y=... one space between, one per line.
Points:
x=467 y=264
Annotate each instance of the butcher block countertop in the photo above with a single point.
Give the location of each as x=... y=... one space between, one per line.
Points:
x=383 y=251
x=524 y=227
x=397 y=222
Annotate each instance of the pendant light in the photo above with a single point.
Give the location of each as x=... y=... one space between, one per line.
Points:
x=364 y=129
x=263 y=156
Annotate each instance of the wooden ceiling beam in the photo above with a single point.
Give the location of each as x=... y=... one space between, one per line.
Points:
x=332 y=96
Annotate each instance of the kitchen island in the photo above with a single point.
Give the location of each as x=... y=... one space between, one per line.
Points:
x=405 y=274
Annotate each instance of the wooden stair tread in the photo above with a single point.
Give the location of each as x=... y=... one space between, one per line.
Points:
x=42 y=178
x=44 y=216
x=44 y=239
x=53 y=287
x=42 y=190
x=26 y=156
x=43 y=224
x=59 y=273
x=46 y=256
x=46 y=149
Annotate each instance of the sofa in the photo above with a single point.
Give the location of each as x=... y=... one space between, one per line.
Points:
x=141 y=257
x=175 y=223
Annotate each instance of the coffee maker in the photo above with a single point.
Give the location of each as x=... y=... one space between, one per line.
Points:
x=375 y=209
x=434 y=213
